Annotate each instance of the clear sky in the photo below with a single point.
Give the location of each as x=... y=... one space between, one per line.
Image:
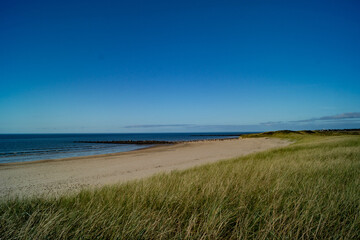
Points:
x=173 y=66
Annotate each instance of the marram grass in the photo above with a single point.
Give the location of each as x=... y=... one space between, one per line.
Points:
x=308 y=190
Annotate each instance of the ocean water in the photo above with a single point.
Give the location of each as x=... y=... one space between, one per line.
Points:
x=32 y=147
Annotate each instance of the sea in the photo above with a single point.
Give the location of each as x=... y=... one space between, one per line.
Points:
x=33 y=147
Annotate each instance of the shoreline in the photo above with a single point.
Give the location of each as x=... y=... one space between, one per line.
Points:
x=151 y=145
x=77 y=158
x=57 y=176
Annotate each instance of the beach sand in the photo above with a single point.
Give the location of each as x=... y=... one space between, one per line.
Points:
x=54 y=177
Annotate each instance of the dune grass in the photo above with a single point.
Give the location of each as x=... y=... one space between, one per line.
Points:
x=308 y=190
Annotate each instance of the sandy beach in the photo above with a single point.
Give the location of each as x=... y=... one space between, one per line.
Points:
x=53 y=177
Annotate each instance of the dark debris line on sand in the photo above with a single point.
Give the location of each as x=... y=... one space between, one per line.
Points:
x=151 y=142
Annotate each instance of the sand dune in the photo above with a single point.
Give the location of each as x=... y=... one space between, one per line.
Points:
x=53 y=177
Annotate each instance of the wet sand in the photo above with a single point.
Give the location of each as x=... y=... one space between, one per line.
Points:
x=54 y=177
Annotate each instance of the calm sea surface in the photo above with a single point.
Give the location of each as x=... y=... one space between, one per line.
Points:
x=31 y=147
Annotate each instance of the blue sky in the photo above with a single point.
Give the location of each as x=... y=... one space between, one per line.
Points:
x=173 y=66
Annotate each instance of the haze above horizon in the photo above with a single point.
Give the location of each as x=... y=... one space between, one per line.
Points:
x=178 y=66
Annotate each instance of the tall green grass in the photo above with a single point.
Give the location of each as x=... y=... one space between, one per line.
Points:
x=308 y=190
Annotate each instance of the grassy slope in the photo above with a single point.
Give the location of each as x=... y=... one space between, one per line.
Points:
x=310 y=189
